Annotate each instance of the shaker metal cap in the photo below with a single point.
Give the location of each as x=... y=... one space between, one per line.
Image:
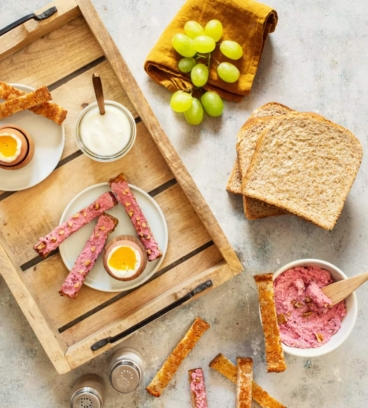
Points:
x=125 y=376
x=86 y=398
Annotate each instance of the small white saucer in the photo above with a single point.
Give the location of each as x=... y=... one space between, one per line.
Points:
x=98 y=278
x=49 y=141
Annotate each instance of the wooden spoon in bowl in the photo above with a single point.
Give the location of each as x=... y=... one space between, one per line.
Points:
x=97 y=85
x=340 y=290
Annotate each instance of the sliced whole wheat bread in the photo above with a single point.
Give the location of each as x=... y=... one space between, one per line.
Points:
x=269 y=109
x=306 y=165
x=253 y=208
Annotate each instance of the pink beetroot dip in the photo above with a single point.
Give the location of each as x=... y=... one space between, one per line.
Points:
x=197 y=386
x=305 y=317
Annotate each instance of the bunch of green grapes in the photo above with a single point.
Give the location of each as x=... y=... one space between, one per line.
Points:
x=196 y=45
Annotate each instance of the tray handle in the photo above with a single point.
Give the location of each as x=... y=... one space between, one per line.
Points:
x=42 y=16
x=200 y=288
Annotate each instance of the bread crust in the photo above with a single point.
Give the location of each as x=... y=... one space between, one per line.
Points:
x=253 y=209
x=235 y=180
x=225 y=367
x=49 y=110
x=284 y=203
x=234 y=183
x=177 y=356
x=274 y=352
x=244 y=382
x=24 y=102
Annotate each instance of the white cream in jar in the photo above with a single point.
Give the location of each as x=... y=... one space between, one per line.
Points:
x=106 y=135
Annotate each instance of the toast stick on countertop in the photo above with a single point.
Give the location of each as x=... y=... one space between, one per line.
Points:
x=244 y=381
x=274 y=352
x=225 y=367
x=170 y=366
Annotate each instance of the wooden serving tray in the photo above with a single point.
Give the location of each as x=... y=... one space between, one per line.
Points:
x=62 y=52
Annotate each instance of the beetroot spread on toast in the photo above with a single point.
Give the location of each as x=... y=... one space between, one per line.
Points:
x=52 y=240
x=197 y=387
x=87 y=258
x=120 y=188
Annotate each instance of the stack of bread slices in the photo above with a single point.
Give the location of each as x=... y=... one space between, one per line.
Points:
x=293 y=162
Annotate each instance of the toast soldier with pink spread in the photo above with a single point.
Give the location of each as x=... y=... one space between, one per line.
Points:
x=120 y=188
x=88 y=257
x=52 y=240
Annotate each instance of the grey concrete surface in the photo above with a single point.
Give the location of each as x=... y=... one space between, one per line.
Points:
x=315 y=61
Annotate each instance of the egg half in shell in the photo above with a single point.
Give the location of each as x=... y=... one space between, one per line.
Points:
x=124 y=258
x=16 y=147
x=13 y=147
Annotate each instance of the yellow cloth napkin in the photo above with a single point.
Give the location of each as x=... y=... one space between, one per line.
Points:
x=244 y=21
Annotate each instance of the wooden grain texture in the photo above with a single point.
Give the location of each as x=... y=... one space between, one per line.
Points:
x=53 y=56
x=30 y=214
x=339 y=291
x=171 y=156
x=186 y=234
x=132 y=303
x=32 y=30
x=81 y=352
x=78 y=93
x=33 y=311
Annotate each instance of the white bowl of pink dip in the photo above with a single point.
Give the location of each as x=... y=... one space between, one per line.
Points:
x=311 y=328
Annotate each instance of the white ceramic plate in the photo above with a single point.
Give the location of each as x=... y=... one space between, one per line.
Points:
x=98 y=278
x=49 y=141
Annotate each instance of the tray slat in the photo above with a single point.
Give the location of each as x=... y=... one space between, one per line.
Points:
x=80 y=352
x=198 y=250
x=33 y=311
x=186 y=234
x=29 y=214
x=31 y=31
x=73 y=46
x=172 y=158
x=121 y=310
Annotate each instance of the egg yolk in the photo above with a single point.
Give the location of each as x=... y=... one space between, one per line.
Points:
x=123 y=259
x=8 y=146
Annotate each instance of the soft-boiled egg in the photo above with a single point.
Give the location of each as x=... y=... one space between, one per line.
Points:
x=10 y=147
x=124 y=261
x=124 y=258
x=16 y=147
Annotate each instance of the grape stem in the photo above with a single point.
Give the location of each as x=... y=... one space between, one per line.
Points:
x=209 y=62
x=199 y=56
x=216 y=61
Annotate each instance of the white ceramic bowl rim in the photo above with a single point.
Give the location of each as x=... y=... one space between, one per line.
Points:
x=348 y=321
